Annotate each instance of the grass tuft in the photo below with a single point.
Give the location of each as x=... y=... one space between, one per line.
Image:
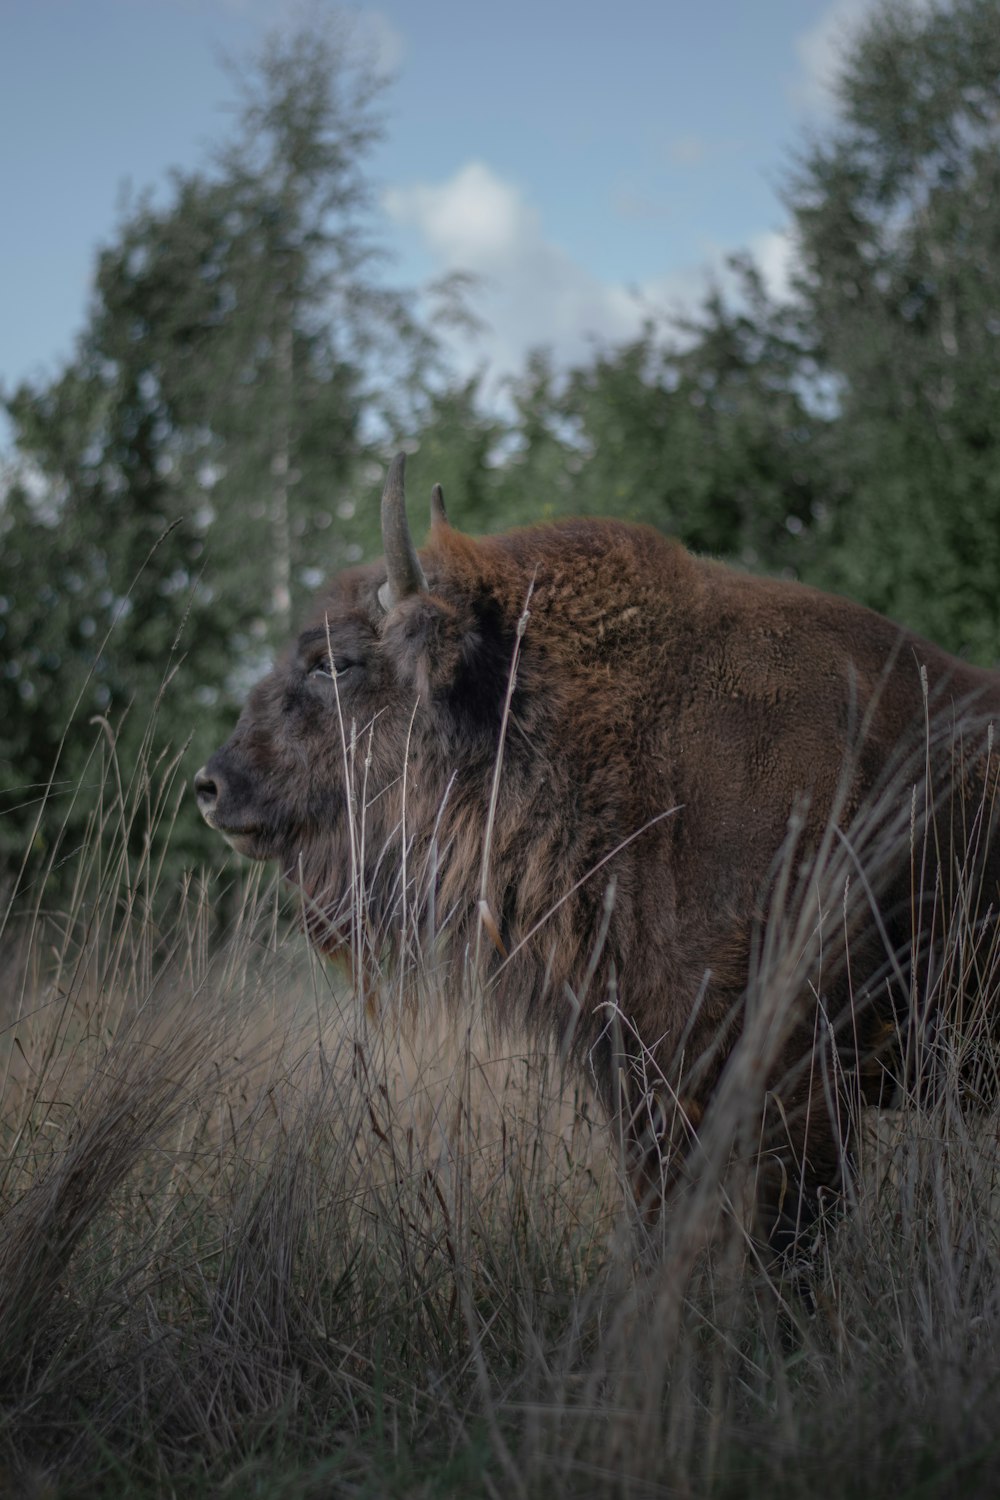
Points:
x=253 y=1242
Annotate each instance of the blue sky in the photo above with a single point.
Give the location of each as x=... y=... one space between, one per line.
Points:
x=588 y=162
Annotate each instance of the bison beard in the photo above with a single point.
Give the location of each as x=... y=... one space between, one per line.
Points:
x=696 y=789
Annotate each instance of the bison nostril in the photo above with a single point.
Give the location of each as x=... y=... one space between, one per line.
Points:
x=206 y=790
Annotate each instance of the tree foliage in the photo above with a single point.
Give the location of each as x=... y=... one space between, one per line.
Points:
x=216 y=445
x=184 y=475
x=898 y=223
x=850 y=433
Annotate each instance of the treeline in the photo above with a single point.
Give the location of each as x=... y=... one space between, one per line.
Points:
x=215 y=445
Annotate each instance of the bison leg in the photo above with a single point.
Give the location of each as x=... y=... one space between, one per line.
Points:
x=796 y=1161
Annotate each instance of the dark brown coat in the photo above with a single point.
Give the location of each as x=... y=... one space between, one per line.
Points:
x=668 y=717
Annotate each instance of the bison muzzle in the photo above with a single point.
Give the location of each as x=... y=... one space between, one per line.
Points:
x=595 y=775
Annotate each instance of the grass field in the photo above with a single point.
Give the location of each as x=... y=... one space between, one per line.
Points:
x=257 y=1241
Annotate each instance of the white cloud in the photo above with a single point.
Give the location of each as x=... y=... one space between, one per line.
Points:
x=680 y=293
x=820 y=51
x=385 y=42
x=533 y=292
x=688 y=150
x=632 y=204
x=475 y=218
x=775 y=253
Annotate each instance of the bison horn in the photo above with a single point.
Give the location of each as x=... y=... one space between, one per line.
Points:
x=405 y=575
x=439 y=516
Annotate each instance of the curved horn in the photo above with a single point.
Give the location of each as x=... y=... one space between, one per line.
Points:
x=405 y=575
x=439 y=516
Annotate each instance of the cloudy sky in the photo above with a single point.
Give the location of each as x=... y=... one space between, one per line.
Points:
x=589 y=162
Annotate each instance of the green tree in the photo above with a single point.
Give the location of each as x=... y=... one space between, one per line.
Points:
x=458 y=441
x=241 y=351
x=897 y=216
x=99 y=611
x=705 y=431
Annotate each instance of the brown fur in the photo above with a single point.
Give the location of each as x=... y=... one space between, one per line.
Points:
x=666 y=707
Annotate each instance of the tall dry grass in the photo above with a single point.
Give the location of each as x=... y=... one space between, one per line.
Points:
x=255 y=1241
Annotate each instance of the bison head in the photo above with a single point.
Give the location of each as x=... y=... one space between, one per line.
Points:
x=344 y=754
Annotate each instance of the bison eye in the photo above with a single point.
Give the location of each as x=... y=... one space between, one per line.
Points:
x=324 y=667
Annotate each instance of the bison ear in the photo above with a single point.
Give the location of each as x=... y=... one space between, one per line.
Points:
x=430 y=642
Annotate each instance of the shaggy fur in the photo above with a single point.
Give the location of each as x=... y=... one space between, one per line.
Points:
x=668 y=717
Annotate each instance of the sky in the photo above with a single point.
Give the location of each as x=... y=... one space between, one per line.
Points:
x=589 y=163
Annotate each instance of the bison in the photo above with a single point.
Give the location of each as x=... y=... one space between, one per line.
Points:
x=585 y=769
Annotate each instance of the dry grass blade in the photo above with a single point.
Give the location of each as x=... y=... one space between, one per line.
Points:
x=253 y=1242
